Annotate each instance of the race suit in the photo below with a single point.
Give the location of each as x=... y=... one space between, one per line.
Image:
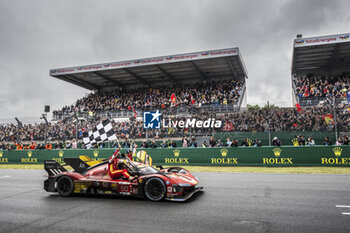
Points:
x=129 y=155
x=114 y=171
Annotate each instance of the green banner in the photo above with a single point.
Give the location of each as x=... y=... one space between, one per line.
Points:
x=241 y=156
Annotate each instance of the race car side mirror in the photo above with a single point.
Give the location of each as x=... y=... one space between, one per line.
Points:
x=137 y=173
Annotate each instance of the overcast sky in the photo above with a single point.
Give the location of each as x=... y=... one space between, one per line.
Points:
x=36 y=36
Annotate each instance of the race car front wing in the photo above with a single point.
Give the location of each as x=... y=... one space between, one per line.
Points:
x=186 y=196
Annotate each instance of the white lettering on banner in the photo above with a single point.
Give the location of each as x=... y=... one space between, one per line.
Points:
x=321 y=40
x=138 y=62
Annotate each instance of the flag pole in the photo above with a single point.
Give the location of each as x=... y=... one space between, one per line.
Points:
x=118 y=143
x=269 y=122
x=335 y=120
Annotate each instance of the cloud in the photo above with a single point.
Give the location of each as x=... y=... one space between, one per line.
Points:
x=39 y=35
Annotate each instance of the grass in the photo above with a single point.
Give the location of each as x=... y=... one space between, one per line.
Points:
x=302 y=170
x=21 y=166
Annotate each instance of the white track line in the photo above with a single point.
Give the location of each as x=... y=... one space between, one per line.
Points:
x=342 y=206
x=4 y=177
x=345 y=213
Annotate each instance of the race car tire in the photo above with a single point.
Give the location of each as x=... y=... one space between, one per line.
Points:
x=65 y=186
x=155 y=189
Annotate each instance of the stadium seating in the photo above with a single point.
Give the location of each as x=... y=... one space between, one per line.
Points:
x=312 y=88
x=222 y=94
x=281 y=119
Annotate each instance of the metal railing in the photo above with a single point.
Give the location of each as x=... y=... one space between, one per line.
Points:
x=180 y=109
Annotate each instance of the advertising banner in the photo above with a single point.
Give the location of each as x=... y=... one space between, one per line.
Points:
x=321 y=40
x=147 y=61
x=241 y=156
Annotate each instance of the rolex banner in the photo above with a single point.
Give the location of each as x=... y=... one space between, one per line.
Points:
x=285 y=156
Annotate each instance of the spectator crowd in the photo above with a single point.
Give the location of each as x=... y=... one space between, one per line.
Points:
x=227 y=92
x=195 y=95
x=321 y=86
x=258 y=120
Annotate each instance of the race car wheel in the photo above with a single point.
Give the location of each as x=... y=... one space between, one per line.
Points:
x=65 y=186
x=155 y=189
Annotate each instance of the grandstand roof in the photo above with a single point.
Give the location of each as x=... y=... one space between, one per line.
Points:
x=321 y=54
x=205 y=65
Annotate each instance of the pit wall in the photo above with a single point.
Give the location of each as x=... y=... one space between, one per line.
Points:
x=242 y=156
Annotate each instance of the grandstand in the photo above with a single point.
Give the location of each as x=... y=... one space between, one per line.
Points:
x=320 y=69
x=207 y=84
x=205 y=68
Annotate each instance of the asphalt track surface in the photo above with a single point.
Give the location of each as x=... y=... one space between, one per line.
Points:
x=231 y=202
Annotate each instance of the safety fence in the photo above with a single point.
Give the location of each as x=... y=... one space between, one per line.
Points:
x=241 y=156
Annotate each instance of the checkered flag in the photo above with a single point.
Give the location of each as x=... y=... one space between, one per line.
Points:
x=102 y=132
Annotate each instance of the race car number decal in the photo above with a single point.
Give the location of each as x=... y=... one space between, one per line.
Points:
x=124 y=188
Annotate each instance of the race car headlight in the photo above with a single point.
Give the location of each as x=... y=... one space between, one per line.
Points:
x=184 y=185
x=177 y=189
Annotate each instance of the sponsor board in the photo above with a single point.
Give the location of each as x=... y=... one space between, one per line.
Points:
x=3 y=160
x=277 y=160
x=29 y=159
x=337 y=159
x=224 y=160
x=59 y=159
x=176 y=159
x=321 y=40
x=148 y=61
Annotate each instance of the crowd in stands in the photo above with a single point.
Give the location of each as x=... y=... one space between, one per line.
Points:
x=321 y=86
x=31 y=132
x=289 y=119
x=195 y=95
x=258 y=120
x=186 y=142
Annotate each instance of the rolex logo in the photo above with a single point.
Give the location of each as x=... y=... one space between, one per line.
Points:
x=337 y=151
x=30 y=153
x=95 y=153
x=277 y=151
x=223 y=152
x=250 y=142
x=176 y=153
x=1 y=153
x=60 y=153
x=295 y=142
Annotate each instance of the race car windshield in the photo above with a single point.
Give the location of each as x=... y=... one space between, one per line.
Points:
x=148 y=170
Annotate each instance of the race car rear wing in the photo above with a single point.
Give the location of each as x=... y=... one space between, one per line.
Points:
x=53 y=168
x=77 y=164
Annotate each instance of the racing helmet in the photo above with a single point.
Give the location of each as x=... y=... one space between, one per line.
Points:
x=120 y=164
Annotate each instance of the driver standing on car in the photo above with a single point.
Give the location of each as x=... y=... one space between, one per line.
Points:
x=115 y=166
x=130 y=153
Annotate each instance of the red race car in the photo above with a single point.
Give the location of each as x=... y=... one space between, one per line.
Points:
x=173 y=183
